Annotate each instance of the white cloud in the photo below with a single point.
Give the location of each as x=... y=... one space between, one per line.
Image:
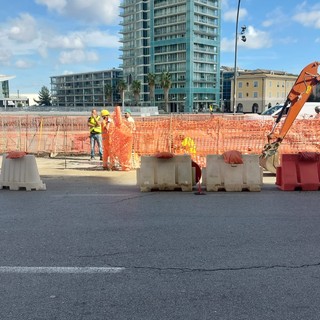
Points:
x=310 y=18
x=23 y=29
x=98 y=38
x=82 y=39
x=256 y=39
x=93 y=11
x=76 y=56
x=287 y=40
x=5 y=57
x=275 y=17
x=71 y=41
x=27 y=39
x=66 y=72
x=54 y=5
x=231 y=15
x=23 y=64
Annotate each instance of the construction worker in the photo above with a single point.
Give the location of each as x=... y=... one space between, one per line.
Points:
x=129 y=120
x=317 y=111
x=106 y=140
x=189 y=146
x=94 y=124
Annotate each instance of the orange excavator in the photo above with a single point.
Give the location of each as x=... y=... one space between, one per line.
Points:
x=298 y=95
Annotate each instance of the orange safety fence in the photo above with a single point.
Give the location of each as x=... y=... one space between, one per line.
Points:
x=195 y=134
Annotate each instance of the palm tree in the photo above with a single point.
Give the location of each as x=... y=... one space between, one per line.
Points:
x=122 y=87
x=165 y=83
x=152 y=84
x=108 y=91
x=136 y=89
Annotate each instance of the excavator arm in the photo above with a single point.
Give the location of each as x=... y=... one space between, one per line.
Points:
x=296 y=98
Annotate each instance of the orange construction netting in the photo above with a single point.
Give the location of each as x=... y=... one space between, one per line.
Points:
x=195 y=134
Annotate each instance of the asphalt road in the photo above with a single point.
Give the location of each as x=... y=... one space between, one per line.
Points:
x=92 y=246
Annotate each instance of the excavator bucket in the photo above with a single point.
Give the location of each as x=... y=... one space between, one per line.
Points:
x=270 y=163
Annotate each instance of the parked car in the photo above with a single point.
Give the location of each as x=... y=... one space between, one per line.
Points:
x=272 y=110
x=306 y=112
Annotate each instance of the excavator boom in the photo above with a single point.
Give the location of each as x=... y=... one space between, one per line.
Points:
x=296 y=98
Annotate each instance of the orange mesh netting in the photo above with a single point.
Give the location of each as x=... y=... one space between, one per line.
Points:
x=117 y=143
x=197 y=135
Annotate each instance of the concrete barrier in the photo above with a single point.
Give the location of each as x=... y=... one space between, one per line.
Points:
x=20 y=173
x=165 y=174
x=219 y=175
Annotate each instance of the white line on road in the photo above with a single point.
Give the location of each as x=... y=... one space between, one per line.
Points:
x=48 y=270
x=94 y=195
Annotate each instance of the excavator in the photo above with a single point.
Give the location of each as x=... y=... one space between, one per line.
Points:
x=298 y=95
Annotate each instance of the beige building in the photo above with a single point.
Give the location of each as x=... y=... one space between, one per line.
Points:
x=259 y=89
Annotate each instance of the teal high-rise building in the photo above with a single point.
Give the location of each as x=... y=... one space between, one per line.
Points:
x=181 y=37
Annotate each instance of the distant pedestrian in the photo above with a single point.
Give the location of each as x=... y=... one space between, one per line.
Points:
x=317 y=111
x=94 y=124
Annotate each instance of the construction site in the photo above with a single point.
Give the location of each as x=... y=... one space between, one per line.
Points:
x=194 y=134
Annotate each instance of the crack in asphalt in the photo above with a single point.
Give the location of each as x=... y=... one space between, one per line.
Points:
x=180 y=269
x=101 y=255
x=186 y=270
x=132 y=197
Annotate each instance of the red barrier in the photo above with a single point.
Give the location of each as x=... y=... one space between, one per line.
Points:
x=299 y=172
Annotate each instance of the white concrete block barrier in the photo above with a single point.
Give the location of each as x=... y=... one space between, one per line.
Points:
x=219 y=175
x=165 y=174
x=20 y=173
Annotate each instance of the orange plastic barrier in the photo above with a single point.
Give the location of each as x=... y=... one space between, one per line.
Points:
x=299 y=171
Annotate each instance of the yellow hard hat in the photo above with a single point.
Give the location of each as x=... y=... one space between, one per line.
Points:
x=105 y=113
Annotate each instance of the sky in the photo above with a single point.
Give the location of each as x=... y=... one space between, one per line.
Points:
x=44 y=38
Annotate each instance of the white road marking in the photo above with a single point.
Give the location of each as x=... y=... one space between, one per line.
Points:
x=70 y=270
x=93 y=195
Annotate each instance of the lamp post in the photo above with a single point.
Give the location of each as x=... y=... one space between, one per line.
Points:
x=243 y=38
x=123 y=101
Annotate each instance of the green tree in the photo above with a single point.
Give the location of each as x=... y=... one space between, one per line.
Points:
x=44 y=97
x=122 y=87
x=108 y=91
x=152 y=78
x=136 y=89
x=165 y=83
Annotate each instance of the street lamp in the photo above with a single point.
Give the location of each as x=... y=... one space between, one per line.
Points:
x=123 y=101
x=244 y=39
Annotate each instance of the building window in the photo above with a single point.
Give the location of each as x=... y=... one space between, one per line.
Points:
x=240 y=85
x=255 y=94
x=255 y=84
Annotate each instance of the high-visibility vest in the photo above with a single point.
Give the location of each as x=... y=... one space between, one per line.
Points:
x=189 y=145
x=95 y=129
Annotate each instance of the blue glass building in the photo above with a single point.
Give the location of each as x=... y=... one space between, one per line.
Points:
x=181 y=37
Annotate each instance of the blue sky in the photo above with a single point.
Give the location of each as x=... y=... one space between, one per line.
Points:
x=43 y=38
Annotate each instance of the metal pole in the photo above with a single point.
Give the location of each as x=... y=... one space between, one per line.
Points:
x=122 y=101
x=235 y=62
